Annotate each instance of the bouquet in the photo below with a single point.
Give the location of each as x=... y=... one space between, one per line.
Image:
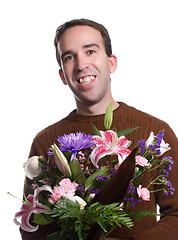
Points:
x=70 y=191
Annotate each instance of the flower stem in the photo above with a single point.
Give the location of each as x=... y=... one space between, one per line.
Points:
x=14 y=196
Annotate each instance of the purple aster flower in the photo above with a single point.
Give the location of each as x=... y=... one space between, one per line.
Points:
x=74 y=142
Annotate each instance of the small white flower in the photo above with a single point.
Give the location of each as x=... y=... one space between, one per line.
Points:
x=78 y=199
x=164 y=147
x=32 y=167
x=150 y=140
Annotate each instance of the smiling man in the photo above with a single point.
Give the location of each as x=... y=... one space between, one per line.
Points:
x=84 y=54
x=86 y=69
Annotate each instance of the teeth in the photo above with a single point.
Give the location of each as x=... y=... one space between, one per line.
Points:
x=86 y=80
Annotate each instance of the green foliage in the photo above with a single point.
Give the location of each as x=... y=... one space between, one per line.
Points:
x=126 y=131
x=139 y=215
x=42 y=219
x=95 y=130
x=92 y=183
x=108 y=117
x=75 y=222
x=77 y=173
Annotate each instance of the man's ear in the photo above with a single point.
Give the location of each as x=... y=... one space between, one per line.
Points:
x=61 y=74
x=113 y=63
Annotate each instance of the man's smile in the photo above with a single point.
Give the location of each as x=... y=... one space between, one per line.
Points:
x=86 y=80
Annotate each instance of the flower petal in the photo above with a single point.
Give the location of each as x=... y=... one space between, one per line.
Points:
x=98 y=140
x=25 y=225
x=123 y=142
x=98 y=153
x=109 y=137
x=40 y=208
x=61 y=161
x=149 y=141
x=39 y=189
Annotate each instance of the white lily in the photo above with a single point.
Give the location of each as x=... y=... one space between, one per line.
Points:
x=61 y=161
x=32 y=167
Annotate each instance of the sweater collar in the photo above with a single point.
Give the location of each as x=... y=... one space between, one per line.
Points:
x=77 y=117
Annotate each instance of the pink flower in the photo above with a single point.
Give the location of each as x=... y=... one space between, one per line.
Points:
x=66 y=188
x=56 y=195
x=144 y=193
x=31 y=205
x=142 y=161
x=109 y=144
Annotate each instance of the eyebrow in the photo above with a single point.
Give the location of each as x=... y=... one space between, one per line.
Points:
x=85 y=46
x=91 y=45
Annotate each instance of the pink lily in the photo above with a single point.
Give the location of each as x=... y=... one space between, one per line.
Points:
x=31 y=205
x=109 y=144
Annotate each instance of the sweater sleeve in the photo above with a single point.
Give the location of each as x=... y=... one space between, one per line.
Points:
x=166 y=228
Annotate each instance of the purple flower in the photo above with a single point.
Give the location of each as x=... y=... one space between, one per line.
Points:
x=142 y=145
x=169 y=189
x=74 y=142
x=165 y=166
x=101 y=178
x=159 y=139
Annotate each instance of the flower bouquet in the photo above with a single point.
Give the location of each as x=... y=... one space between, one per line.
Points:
x=71 y=192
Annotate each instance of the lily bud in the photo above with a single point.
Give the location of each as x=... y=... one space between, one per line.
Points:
x=32 y=167
x=108 y=117
x=61 y=161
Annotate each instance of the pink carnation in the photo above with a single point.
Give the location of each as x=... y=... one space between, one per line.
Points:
x=66 y=188
x=144 y=193
x=56 y=195
x=142 y=161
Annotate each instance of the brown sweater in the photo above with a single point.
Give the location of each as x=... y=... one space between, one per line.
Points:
x=124 y=117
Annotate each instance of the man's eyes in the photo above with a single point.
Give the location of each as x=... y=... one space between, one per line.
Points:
x=90 y=52
x=68 y=58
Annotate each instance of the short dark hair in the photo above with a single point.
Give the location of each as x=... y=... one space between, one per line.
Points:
x=83 y=22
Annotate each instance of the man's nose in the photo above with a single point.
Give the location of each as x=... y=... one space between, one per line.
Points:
x=81 y=63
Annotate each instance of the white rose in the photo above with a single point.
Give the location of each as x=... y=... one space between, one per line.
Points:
x=32 y=167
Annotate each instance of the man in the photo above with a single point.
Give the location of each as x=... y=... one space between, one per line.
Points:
x=84 y=54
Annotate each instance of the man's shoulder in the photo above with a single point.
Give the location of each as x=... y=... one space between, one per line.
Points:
x=53 y=130
x=144 y=118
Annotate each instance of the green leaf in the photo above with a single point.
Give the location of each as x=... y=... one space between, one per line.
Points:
x=42 y=219
x=138 y=215
x=96 y=131
x=77 y=172
x=91 y=182
x=126 y=131
x=108 y=117
x=55 y=236
x=103 y=226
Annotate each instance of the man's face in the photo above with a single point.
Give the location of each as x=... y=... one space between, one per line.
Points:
x=85 y=67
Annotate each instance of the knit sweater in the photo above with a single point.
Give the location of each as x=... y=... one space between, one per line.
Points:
x=124 y=117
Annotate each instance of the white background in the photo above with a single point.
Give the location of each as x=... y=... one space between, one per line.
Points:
x=144 y=38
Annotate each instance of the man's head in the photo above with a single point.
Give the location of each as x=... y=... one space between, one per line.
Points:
x=83 y=22
x=83 y=50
